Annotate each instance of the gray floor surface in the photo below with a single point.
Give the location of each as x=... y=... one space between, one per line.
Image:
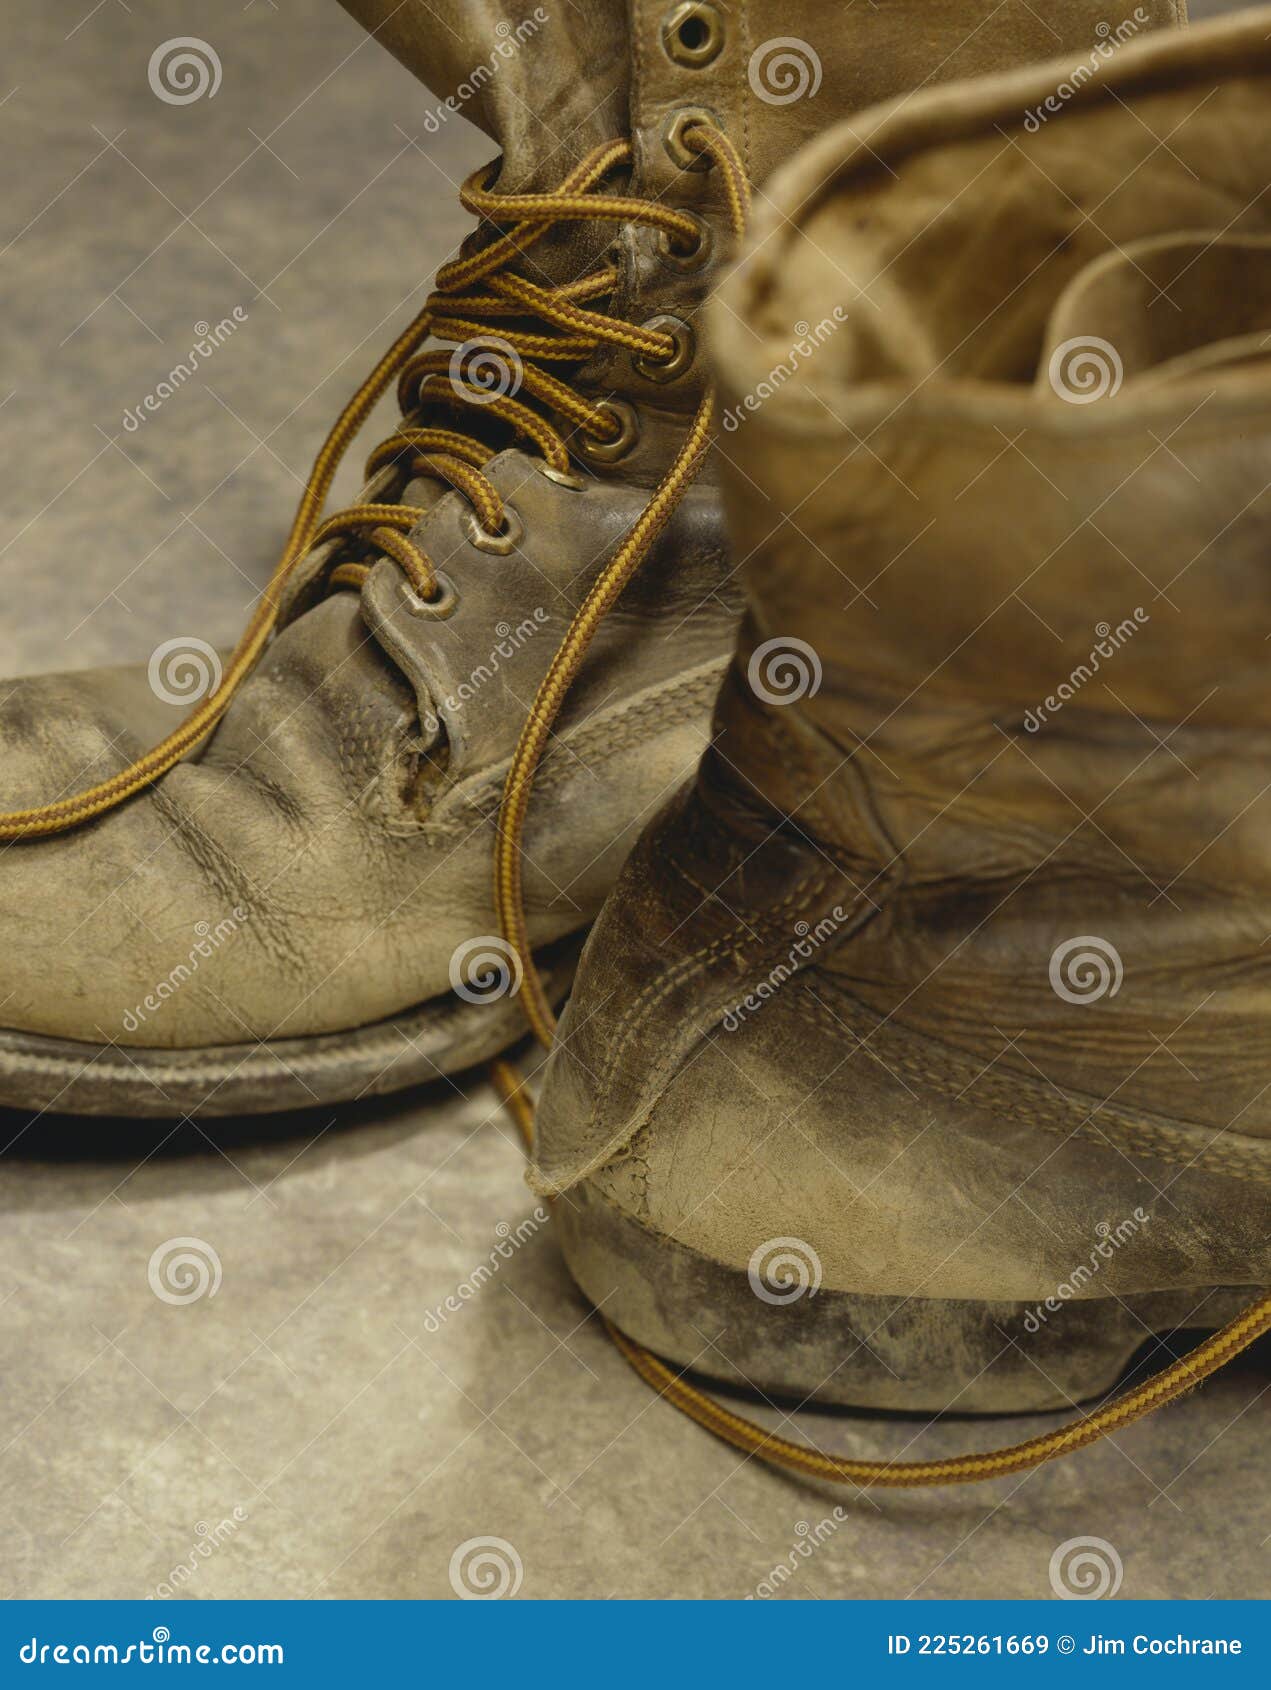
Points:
x=305 y=1431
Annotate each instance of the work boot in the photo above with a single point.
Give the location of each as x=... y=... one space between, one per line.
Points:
x=289 y=900
x=921 y=1058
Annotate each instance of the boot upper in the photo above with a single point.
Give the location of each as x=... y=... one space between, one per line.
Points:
x=347 y=801
x=989 y=764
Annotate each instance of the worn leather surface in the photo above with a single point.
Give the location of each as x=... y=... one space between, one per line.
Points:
x=347 y=801
x=895 y=859
x=360 y=862
x=349 y=1417
x=589 y=72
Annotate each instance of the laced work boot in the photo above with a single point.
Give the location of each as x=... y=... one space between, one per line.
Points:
x=921 y=1057
x=289 y=899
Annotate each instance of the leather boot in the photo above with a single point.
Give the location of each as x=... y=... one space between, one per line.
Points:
x=289 y=900
x=921 y=1058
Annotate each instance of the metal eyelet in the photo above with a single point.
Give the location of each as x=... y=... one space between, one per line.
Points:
x=436 y=609
x=507 y=540
x=693 y=34
x=669 y=369
x=673 y=137
x=694 y=257
x=609 y=451
x=561 y=477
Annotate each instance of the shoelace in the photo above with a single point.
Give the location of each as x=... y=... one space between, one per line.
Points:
x=472 y=293
x=459 y=310
x=509 y=900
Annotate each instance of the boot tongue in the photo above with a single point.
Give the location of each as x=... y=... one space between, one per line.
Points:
x=546 y=82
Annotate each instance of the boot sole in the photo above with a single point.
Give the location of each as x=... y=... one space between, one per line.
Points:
x=908 y=1354
x=442 y=1036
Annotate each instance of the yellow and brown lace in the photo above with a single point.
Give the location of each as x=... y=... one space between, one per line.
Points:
x=479 y=295
x=475 y=296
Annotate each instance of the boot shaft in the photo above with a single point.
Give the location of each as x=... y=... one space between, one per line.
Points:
x=548 y=83
x=1005 y=656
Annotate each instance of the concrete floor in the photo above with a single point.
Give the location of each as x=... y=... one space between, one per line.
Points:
x=305 y=1431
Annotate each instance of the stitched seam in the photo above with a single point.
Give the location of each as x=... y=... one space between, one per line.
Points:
x=1135 y=1131
x=595 y=741
x=270 y=1056
x=687 y=969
